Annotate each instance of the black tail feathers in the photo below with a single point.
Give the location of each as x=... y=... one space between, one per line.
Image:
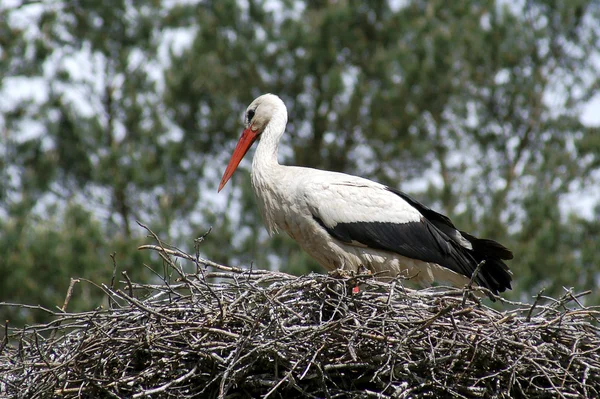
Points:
x=494 y=274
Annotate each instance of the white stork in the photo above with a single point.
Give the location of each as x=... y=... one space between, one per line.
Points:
x=346 y=222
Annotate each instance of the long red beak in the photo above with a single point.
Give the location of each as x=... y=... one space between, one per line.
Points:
x=248 y=138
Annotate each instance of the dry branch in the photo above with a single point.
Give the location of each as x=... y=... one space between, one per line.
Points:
x=229 y=332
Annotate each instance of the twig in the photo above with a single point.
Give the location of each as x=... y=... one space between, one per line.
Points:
x=164 y=387
x=469 y=286
x=537 y=299
x=129 y=284
x=69 y=293
x=5 y=338
x=113 y=278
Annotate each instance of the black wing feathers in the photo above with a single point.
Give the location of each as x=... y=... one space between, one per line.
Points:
x=434 y=217
x=495 y=274
x=443 y=222
x=490 y=247
x=434 y=239
x=416 y=240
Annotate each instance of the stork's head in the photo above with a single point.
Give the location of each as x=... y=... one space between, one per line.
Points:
x=257 y=118
x=261 y=110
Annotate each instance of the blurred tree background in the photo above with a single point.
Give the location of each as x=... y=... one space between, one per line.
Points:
x=112 y=112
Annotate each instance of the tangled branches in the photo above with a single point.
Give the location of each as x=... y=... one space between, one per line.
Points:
x=226 y=332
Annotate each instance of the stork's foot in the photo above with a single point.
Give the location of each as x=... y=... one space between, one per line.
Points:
x=352 y=275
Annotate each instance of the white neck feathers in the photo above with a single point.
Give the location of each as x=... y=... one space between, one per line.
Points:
x=266 y=171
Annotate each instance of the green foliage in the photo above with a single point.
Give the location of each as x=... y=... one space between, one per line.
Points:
x=42 y=255
x=132 y=112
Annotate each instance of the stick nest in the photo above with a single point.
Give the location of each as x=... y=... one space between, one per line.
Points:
x=228 y=332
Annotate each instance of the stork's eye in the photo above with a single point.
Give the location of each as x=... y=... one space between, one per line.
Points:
x=250 y=115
